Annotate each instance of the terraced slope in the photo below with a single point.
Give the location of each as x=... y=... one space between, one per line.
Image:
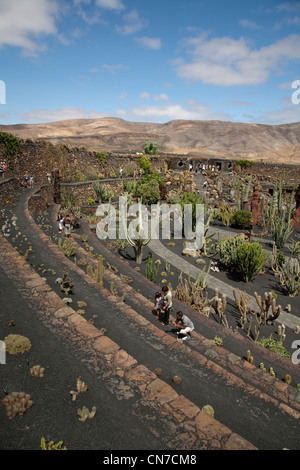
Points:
x=118 y=347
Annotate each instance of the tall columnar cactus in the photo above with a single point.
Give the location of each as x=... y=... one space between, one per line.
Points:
x=97 y=275
x=151 y=270
x=281 y=224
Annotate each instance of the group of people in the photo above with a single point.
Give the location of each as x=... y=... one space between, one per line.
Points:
x=64 y=224
x=163 y=305
x=136 y=173
x=3 y=168
x=28 y=180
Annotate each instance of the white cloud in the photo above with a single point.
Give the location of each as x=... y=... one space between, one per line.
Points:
x=161 y=97
x=150 y=43
x=289 y=6
x=24 y=22
x=110 y=4
x=113 y=68
x=62 y=114
x=226 y=61
x=192 y=111
x=144 y=95
x=132 y=23
x=249 y=24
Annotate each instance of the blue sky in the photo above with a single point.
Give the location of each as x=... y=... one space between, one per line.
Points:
x=149 y=60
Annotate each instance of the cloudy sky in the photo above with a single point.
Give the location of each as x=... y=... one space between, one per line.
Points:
x=150 y=60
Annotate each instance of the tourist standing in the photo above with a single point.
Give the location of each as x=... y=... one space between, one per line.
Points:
x=158 y=303
x=167 y=305
x=67 y=225
x=26 y=178
x=4 y=168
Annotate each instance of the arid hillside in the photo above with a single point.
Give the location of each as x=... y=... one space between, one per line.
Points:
x=257 y=142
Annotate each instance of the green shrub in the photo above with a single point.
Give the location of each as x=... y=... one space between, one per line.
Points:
x=245 y=257
x=145 y=165
x=227 y=249
x=91 y=201
x=241 y=219
x=244 y=163
x=102 y=158
x=149 y=192
x=275 y=346
x=250 y=258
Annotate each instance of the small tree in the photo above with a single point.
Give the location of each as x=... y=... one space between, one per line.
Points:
x=145 y=165
x=102 y=159
x=149 y=192
x=12 y=145
x=150 y=148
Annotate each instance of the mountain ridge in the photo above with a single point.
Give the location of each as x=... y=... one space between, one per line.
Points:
x=278 y=143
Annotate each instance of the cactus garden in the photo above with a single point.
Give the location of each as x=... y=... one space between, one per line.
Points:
x=241 y=288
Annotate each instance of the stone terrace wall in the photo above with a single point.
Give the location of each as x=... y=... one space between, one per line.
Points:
x=40 y=157
x=272 y=173
x=7 y=187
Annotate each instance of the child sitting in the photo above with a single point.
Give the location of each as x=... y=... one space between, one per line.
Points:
x=158 y=303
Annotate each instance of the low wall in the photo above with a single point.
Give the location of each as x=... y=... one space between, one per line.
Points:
x=7 y=188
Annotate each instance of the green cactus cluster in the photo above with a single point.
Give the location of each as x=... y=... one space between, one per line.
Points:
x=208 y=409
x=51 y=445
x=37 y=371
x=84 y=413
x=16 y=403
x=81 y=387
x=97 y=274
x=151 y=269
x=67 y=246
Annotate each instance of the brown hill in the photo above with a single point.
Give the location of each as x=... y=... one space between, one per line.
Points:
x=274 y=144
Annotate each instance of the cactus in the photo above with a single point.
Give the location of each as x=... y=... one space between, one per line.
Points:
x=85 y=414
x=80 y=387
x=288 y=379
x=139 y=243
x=219 y=306
x=265 y=305
x=51 y=445
x=66 y=284
x=191 y=292
x=249 y=357
x=17 y=403
x=17 y=344
x=208 y=410
x=290 y=276
x=98 y=274
x=67 y=247
x=151 y=270
x=37 y=371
